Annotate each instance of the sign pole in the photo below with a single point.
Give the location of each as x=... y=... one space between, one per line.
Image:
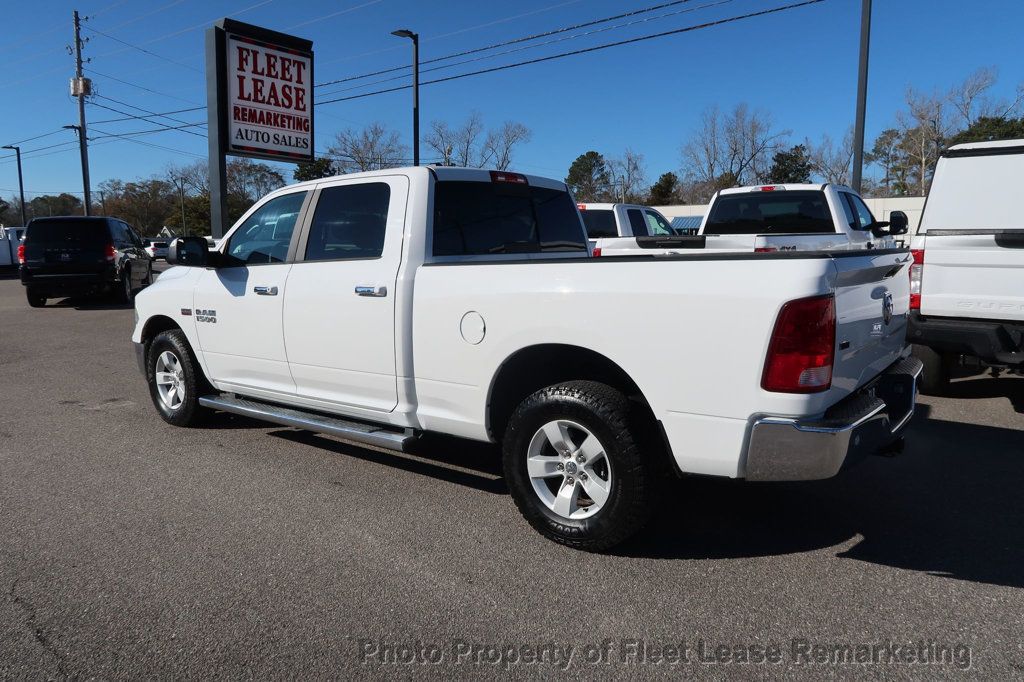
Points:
x=216 y=101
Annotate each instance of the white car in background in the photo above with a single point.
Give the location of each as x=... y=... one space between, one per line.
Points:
x=156 y=249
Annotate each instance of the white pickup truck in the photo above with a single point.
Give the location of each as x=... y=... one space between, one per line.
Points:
x=967 y=282
x=379 y=306
x=768 y=218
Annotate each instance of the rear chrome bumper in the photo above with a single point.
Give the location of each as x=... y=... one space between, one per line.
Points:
x=788 y=449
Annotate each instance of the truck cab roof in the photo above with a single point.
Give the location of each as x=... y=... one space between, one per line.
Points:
x=442 y=173
x=783 y=187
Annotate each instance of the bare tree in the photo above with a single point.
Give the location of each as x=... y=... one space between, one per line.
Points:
x=971 y=100
x=628 y=174
x=372 y=148
x=738 y=146
x=441 y=139
x=500 y=143
x=924 y=128
x=833 y=161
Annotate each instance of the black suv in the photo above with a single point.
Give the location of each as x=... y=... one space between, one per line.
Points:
x=75 y=255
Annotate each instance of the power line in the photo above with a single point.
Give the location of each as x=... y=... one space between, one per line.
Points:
x=142 y=16
x=144 y=50
x=141 y=118
x=333 y=14
x=150 y=131
x=29 y=139
x=147 y=144
x=536 y=45
x=514 y=41
x=140 y=87
x=147 y=111
x=586 y=50
x=458 y=31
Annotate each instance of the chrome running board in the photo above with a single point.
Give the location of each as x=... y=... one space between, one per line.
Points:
x=361 y=432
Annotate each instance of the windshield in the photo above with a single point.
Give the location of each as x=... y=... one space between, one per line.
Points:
x=778 y=212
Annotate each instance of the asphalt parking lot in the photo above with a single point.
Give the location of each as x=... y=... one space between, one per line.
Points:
x=129 y=548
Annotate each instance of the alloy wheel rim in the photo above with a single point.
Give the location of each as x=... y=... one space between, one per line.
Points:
x=170 y=380
x=569 y=469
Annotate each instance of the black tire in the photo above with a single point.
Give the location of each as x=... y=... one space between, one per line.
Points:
x=188 y=412
x=633 y=480
x=35 y=300
x=935 y=375
x=149 y=275
x=125 y=294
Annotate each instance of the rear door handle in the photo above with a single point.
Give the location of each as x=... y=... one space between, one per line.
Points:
x=371 y=291
x=265 y=291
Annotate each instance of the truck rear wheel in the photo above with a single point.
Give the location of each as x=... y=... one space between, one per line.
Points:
x=935 y=375
x=574 y=467
x=175 y=379
x=35 y=300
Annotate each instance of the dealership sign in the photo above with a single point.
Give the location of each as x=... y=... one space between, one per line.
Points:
x=264 y=83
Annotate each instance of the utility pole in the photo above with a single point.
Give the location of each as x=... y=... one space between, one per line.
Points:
x=862 y=94
x=81 y=87
x=21 y=183
x=181 y=190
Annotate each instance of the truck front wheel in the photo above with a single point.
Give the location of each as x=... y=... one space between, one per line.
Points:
x=574 y=467
x=174 y=378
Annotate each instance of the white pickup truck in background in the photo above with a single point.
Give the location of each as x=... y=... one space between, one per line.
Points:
x=379 y=306
x=967 y=282
x=768 y=218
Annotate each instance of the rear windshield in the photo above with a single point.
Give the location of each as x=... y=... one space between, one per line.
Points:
x=477 y=218
x=779 y=212
x=67 y=231
x=599 y=223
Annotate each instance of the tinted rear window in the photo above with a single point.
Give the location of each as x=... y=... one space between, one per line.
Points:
x=67 y=231
x=779 y=212
x=599 y=223
x=477 y=218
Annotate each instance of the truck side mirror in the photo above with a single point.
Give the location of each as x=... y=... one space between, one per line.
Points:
x=898 y=222
x=188 y=251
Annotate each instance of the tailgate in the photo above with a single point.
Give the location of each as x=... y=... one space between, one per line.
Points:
x=872 y=301
x=973 y=273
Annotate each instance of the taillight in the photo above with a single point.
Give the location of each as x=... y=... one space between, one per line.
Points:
x=802 y=347
x=764 y=249
x=916 y=276
x=21 y=253
x=597 y=252
x=110 y=253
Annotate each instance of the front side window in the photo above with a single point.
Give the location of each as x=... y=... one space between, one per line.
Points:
x=851 y=217
x=864 y=217
x=478 y=218
x=656 y=225
x=266 y=234
x=349 y=222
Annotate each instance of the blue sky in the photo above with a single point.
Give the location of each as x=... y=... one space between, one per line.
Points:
x=799 y=65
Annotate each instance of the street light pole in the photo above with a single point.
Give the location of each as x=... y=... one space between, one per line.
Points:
x=415 y=37
x=21 y=183
x=862 y=94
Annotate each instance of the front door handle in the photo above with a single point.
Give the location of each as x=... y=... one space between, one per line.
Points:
x=265 y=291
x=371 y=291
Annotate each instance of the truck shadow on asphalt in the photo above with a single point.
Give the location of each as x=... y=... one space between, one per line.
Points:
x=949 y=506
x=467 y=463
x=1011 y=388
